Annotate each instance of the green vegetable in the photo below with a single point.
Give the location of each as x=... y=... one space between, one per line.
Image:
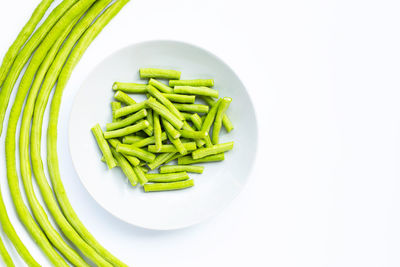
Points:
x=195 y=118
x=189 y=99
x=197 y=82
x=186 y=126
x=193 y=134
x=225 y=120
x=130 y=88
x=167 y=178
x=189 y=160
x=146 y=73
x=140 y=175
x=136 y=152
x=149 y=140
x=204 y=91
x=178 y=144
x=114 y=107
x=161 y=159
x=165 y=113
x=127 y=121
x=130 y=139
x=104 y=147
x=125 y=167
x=127 y=130
x=160 y=86
x=157 y=131
x=168 y=186
x=187 y=116
x=5 y=256
x=208 y=121
x=216 y=149
x=129 y=109
x=170 y=129
x=124 y=98
x=181 y=168
x=171 y=148
x=223 y=106
x=163 y=100
x=199 y=108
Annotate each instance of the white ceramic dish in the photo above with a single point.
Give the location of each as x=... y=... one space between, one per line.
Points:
x=214 y=189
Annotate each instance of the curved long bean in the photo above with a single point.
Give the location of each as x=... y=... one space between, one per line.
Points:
x=5 y=256
x=26 y=52
x=53 y=163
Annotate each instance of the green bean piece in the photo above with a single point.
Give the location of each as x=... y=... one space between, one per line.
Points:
x=124 y=98
x=149 y=130
x=168 y=186
x=187 y=116
x=104 y=147
x=73 y=58
x=127 y=121
x=129 y=109
x=26 y=52
x=130 y=139
x=193 y=134
x=125 y=167
x=127 y=130
x=196 y=82
x=157 y=132
x=160 y=159
x=160 y=86
x=195 y=118
x=186 y=99
x=136 y=152
x=165 y=113
x=170 y=129
x=140 y=175
x=186 y=126
x=208 y=121
x=130 y=88
x=163 y=100
x=181 y=168
x=146 y=73
x=178 y=144
x=144 y=169
x=133 y=160
x=141 y=134
x=103 y=159
x=216 y=149
x=176 y=156
x=223 y=106
x=167 y=178
x=114 y=107
x=199 y=108
x=150 y=117
x=225 y=120
x=149 y=140
x=171 y=148
x=191 y=90
x=189 y=160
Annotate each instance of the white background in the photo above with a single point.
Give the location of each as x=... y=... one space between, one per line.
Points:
x=323 y=76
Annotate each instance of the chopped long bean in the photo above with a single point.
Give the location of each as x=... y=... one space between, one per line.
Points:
x=149 y=140
x=130 y=139
x=193 y=134
x=125 y=167
x=186 y=99
x=171 y=148
x=129 y=109
x=167 y=178
x=189 y=160
x=146 y=73
x=225 y=120
x=191 y=90
x=174 y=133
x=124 y=98
x=127 y=130
x=114 y=107
x=136 y=152
x=157 y=131
x=163 y=100
x=208 y=121
x=168 y=186
x=127 y=121
x=140 y=175
x=199 y=108
x=216 y=149
x=130 y=88
x=161 y=159
x=178 y=144
x=160 y=86
x=223 y=106
x=196 y=82
x=104 y=147
x=181 y=168
x=165 y=113
x=187 y=127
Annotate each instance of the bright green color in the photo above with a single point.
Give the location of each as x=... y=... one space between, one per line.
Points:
x=174 y=133
x=161 y=159
x=129 y=109
x=191 y=90
x=196 y=82
x=165 y=113
x=146 y=73
x=208 y=121
x=157 y=131
x=127 y=130
x=167 y=178
x=225 y=120
x=124 y=98
x=168 y=186
x=171 y=148
x=114 y=107
x=181 y=168
x=130 y=88
x=199 y=108
x=127 y=121
x=126 y=167
x=130 y=139
x=178 y=144
x=189 y=160
x=140 y=175
x=216 y=149
x=223 y=106
x=136 y=152
x=160 y=86
x=186 y=99
x=149 y=140
x=187 y=127
x=193 y=134
x=163 y=100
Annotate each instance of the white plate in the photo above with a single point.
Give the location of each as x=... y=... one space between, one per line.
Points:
x=214 y=189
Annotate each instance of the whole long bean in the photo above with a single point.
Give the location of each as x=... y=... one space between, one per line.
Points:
x=168 y=186
x=127 y=121
x=26 y=52
x=130 y=88
x=58 y=31
x=126 y=167
x=89 y=35
x=159 y=73
x=165 y=113
x=160 y=86
x=191 y=90
x=127 y=130
x=124 y=98
x=225 y=120
x=216 y=149
x=189 y=160
x=5 y=255
x=171 y=148
x=167 y=178
x=196 y=82
x=181 y=168
x=199 y=108
x=223 y=106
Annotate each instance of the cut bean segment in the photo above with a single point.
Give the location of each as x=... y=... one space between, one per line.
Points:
x=163 y=100
x=171 y=148
x=189 y=160
x=146 y=73
x=223 y=106
x=136 y=152
x=124 y=98
x=225 y=120
x=160 y=86
x=125 y=167
x=196 y=82
x=149 y=140
x=178 y=144
x=129 y=109
x=168 y=186
x=186 y=99
x=127 y=130
x=103 y=145
x=191 y=90
x=130 y=88
x=181 y=168
x=161 y=159
x=170 y=129
x=127 y=121
x=193 y=134
x=157 y=131
x=167 y=178
x=199 y=108
x=114 y=107
x=130 y=139
x=140 y=175
x=216 y=149
x=165 y=113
